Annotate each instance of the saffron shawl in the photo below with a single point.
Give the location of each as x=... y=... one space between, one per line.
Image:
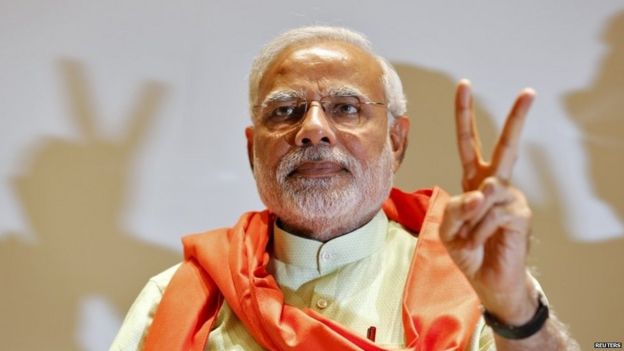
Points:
x=440 y=309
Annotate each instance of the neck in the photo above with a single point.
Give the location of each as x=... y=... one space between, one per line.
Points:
x=324 y=230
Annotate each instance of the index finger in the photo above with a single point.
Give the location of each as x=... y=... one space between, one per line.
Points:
x=80 y=99
x=467 y=137
x=144 y=113
x=506 y=150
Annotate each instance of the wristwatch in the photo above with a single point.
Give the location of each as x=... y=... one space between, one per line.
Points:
x=523 y=331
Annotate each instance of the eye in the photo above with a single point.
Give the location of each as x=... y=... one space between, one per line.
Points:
x=284 y=111
x=343 y=109
x=344 y=106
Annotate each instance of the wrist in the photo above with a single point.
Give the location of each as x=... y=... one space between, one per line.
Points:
x=514 y=307
x=519 y=331
x=515 y=313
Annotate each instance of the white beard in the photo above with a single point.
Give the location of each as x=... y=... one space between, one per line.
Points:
x=319 y=207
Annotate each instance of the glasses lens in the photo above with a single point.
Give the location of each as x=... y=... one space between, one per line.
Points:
x=344 y=110
x=280 y=114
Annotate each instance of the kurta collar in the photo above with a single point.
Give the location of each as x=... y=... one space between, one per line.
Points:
x=326 y=257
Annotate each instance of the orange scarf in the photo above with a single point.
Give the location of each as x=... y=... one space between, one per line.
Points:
x=440 y=309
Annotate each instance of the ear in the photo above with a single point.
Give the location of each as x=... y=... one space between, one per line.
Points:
x=398 y=138
x=249 y=133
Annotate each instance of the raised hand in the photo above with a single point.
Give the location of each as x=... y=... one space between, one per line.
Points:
x=486 y=229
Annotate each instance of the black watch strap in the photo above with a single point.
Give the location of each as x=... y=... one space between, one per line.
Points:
x=519 y=332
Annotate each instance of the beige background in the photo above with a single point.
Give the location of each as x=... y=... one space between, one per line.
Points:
x=121 y=130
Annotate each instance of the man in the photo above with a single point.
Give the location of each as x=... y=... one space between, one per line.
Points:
x=340 y=260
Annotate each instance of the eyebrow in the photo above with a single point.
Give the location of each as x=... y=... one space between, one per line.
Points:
x=290 y=94
x=346 y=91
x=282 y=95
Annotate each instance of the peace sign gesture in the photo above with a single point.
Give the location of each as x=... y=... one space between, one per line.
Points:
x=486 y=229
x=475 y=169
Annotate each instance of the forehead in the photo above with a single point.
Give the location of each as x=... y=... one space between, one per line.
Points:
x=316 y=68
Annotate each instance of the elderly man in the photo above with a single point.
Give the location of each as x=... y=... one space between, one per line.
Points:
x=340 y=260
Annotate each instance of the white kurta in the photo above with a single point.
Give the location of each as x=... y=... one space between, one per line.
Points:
x=356 y=279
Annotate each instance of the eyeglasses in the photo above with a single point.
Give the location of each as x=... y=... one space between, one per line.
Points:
x=344 y=111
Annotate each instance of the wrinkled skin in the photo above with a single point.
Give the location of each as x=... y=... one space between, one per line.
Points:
x=374 y=146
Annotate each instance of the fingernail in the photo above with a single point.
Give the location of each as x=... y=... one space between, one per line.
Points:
x=530 y=91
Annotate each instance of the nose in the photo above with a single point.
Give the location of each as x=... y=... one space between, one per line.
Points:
x=315 y=128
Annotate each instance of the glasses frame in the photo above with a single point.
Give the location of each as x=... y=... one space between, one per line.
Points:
x=309 y=102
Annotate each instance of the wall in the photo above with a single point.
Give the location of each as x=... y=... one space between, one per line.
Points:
x=122 y=129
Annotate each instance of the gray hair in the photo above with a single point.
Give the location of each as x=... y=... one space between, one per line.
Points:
x=393 y=89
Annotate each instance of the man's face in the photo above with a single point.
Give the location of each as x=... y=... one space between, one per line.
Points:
x=320 y=176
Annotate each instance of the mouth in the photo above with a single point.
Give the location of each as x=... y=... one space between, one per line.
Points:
x=322 y=169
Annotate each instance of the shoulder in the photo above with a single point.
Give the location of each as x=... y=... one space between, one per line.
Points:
x=141 y=313
x=162 y=279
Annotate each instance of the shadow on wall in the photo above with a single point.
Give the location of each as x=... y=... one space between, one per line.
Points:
x=73 y=194
x=598 y=111
x=588 y=276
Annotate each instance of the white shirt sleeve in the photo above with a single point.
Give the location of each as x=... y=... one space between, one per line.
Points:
x=132 y=333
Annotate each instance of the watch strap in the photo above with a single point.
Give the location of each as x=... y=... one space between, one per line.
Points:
x=523 y=331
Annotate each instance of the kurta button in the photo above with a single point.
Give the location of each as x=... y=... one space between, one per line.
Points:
x=321 y=303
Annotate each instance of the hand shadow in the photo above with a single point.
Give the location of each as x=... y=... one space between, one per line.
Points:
x=583 y=280
x=593 y=270
x=598 y=111
x=73 y=194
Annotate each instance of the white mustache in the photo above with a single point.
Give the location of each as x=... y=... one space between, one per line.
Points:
x=296 y=157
